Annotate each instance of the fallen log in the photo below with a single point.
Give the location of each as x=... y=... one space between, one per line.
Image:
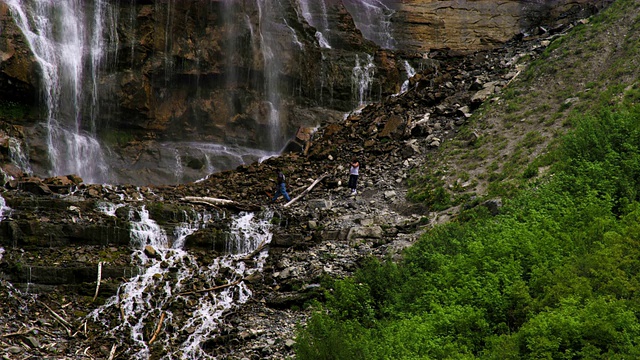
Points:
x=155 y=333
x=217 y=203
x=211 y=288
x=255 y=252
x=98 y=281
x=306 y=190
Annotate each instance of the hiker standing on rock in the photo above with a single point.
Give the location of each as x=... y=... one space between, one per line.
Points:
x=281 y=187
x=353 y=175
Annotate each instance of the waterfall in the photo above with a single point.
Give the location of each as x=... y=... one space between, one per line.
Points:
x=64 y=35
x=132 y=23
x=164 y=288
x=362 y=79
x=267 y=16
x=18 y=156
x=187 y=161
x=373 y=19
x=410 y=73
x=168 y=39
x=5 y=211
x=179 y=169
x=315 y=13
x=108 y=208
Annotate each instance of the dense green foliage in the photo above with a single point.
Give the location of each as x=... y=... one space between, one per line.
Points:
x=556 y=275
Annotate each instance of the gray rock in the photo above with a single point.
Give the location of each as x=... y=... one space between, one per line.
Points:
x=493 y=205
x=14 y=350
x=289 y=343
x=360 y=232
x=319 y=204
x=390 y=194
x=33 y=342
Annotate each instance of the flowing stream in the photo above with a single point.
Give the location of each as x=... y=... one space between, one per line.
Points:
x=172 y=285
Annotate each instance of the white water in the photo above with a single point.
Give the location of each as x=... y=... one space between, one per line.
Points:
x=411 y=72
x=5 y=211
x=158 y=289
x=108 y=208
x=268 y=28
x=362 y=79
x=373 y=19
x=18 y=156
x=216 y=157
x=315 y=13
x=64 y=35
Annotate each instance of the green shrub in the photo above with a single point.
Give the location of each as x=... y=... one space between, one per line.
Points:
x=555 y=275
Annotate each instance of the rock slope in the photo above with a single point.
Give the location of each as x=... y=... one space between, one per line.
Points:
x=54 y=225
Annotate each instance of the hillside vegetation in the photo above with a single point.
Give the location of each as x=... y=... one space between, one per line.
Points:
x=556 y=273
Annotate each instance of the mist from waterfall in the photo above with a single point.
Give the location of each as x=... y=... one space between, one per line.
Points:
x=67 y=40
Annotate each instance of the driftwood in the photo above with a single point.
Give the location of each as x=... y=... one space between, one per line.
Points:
x=155 y=333
x=112 y=353
x=513 y=78
x=65 y=324
x=211 y=288
x=20 y=332
x=98 y=282
x=217 y=203
x=254 y=252
x=306 y=190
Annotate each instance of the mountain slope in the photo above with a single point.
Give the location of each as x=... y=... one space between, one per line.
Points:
x=594 y=65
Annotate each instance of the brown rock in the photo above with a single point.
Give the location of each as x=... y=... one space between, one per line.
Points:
x=391 y=126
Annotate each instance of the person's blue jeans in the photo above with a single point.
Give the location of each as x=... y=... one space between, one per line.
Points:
x=281 y=190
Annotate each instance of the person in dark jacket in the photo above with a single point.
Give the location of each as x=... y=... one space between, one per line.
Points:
x=281 y=187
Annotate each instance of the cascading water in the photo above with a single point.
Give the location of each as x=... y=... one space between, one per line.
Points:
x=362 y=79
x=175 y=290
x=64 y=36
x=373 y=18
x=410 y=73
x=75 y=44
x=186 y=161
x=5 y=211
x=18 y=156
x=268 y=12
x=315 y=13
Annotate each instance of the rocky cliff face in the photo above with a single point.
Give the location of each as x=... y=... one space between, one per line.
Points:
x=61 y=237
x=473 y=25
x=174 y=77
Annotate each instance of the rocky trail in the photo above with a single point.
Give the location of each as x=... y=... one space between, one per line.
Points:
x=57 y=222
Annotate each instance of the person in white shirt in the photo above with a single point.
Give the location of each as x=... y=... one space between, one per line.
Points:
x=353 y=175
